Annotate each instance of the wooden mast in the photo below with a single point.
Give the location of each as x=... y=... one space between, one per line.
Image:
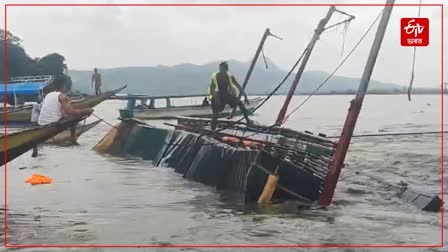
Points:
x=267 y=33
x=309 y=49
x=353 y=113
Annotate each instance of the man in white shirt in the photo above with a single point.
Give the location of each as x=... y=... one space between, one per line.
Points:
x=56 y=107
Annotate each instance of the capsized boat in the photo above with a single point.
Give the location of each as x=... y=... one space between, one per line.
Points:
x=19 y=142
x=237 y=164
x=240 y=158
x=22 y=115
x=262 y=163
x=139 y=107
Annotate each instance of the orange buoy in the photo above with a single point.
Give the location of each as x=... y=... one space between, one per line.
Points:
x=251 y=144
x=230 y=139
x=37 y=179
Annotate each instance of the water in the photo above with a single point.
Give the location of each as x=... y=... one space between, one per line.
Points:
x=98 y=199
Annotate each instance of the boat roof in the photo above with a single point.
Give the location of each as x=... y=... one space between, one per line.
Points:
x=23 y=88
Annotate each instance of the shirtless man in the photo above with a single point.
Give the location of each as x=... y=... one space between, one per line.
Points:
x=96 y=80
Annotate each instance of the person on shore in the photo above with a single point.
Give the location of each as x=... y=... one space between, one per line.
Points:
x=224 y=90
x=96 y=81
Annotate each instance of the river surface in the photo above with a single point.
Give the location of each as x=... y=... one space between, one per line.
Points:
x=98 y=199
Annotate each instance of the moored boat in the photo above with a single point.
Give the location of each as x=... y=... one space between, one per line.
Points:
x=65 y=136
x=19 y=142
x=138 y=107
x=22 y=115
x=23 y=89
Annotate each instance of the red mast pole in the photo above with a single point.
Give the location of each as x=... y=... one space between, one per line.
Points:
x=353 y=113
x=317 y=32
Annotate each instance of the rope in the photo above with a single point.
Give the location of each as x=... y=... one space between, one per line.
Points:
x=273 y=91
x=83 y=125
x=396 y=134
x=413 y=61
x=113 y=126
x=350 y=18
x=331 y=75
x=264 y=58
x=168 y=150
x=280 y=84
x=335 y=70
x=344 y=35
x=292 y=69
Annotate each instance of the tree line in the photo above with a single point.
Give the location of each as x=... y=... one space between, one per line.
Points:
x=21 y=64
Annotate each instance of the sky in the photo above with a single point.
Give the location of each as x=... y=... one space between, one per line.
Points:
x=108 y=37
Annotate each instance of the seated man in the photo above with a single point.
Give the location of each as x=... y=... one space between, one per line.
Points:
x=56 y=107
x=205 y=102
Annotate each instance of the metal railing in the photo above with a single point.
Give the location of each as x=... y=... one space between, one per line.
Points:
x=32 y=78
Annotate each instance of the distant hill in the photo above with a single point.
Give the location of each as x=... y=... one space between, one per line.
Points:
x=188 y=79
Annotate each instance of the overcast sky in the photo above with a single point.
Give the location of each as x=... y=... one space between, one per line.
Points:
x=107 y=37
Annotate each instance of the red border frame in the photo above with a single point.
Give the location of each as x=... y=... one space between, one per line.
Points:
x=215 y=245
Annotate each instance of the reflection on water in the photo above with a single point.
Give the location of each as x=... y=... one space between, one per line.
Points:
x=106 y=200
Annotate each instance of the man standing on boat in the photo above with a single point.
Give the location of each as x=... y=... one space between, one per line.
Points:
x=96 y=81
x=224 y=90
x=56 y=107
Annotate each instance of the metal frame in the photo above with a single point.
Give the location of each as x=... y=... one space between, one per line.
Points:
x=32 y=78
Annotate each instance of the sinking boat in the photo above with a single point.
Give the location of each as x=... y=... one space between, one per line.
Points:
x=19 y=142
x=143 y=108
x=262 y=163
x=22 y=115
x=301 y=159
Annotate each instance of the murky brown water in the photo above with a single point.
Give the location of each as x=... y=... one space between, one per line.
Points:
x=104 y=200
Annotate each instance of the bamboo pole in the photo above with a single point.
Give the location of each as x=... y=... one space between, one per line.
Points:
x=267 y=33
x=317 y=33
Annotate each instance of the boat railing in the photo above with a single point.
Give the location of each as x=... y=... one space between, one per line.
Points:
x=31 y=78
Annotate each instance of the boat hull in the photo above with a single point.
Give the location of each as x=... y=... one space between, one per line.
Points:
x=211 y=162
x=190 y=111
x=22 y=141
x=23 y=115
x=65 y=136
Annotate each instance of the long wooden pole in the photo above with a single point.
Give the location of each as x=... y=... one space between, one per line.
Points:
x=267 y=33
x=317 y=32
x=353 y=113
x=255 y=58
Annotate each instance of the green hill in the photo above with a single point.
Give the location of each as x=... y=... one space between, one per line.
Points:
x=189 y=79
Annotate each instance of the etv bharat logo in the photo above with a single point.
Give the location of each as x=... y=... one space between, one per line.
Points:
x=414 y=32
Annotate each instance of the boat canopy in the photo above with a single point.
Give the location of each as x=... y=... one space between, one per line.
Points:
x=23 y=88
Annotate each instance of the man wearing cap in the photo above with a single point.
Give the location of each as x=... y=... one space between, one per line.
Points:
x=224 y=90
